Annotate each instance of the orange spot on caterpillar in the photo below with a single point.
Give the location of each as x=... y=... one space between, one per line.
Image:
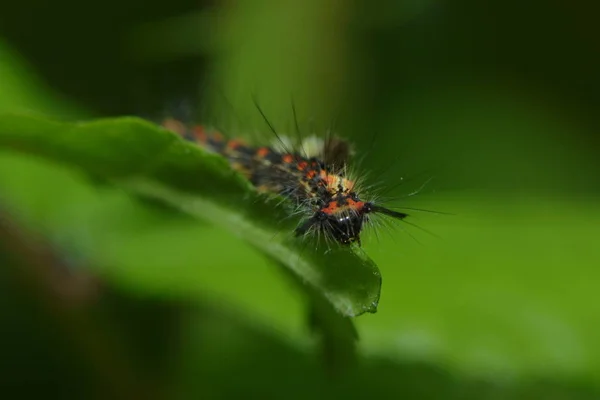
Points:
x=200 y=133
x=263 y=152
x=174 y=125
x=311 y=174
x=355 y=205
x=331 y=180
x=235 y=143
x=302 y=165
x=331 y=208
x=287 y=158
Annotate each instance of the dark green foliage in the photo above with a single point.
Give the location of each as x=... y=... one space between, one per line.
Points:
x=144 y=268
x=149 y=161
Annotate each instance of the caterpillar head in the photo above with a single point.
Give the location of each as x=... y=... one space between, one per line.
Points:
x=343 y=220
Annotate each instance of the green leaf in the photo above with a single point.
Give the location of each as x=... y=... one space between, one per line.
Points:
x=147 y=160
x=24 y=91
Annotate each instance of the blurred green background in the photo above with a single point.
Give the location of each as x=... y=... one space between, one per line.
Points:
x=497 y=101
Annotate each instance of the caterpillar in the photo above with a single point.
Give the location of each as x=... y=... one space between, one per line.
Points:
x=314 y=178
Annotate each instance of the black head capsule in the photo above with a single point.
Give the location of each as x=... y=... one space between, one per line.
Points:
x=341 y=220
x=345 y=228
x=344 y=223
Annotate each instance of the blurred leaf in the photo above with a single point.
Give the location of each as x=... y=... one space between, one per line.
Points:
x=170 y=38
x=56 y=296
x=223 y=344
x=149 y=161
x=22 y=90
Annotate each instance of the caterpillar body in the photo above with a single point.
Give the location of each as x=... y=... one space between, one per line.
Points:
x=315 y=179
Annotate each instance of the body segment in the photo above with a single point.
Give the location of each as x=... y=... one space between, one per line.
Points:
x=318 y=188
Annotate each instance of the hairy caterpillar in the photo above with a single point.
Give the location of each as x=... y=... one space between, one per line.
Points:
x=314 y=177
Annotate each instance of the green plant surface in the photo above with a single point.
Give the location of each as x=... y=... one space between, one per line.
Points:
x=155 y=163
x=499 y=307
x=502 y=305
x=24 y=91
x=507 y=286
